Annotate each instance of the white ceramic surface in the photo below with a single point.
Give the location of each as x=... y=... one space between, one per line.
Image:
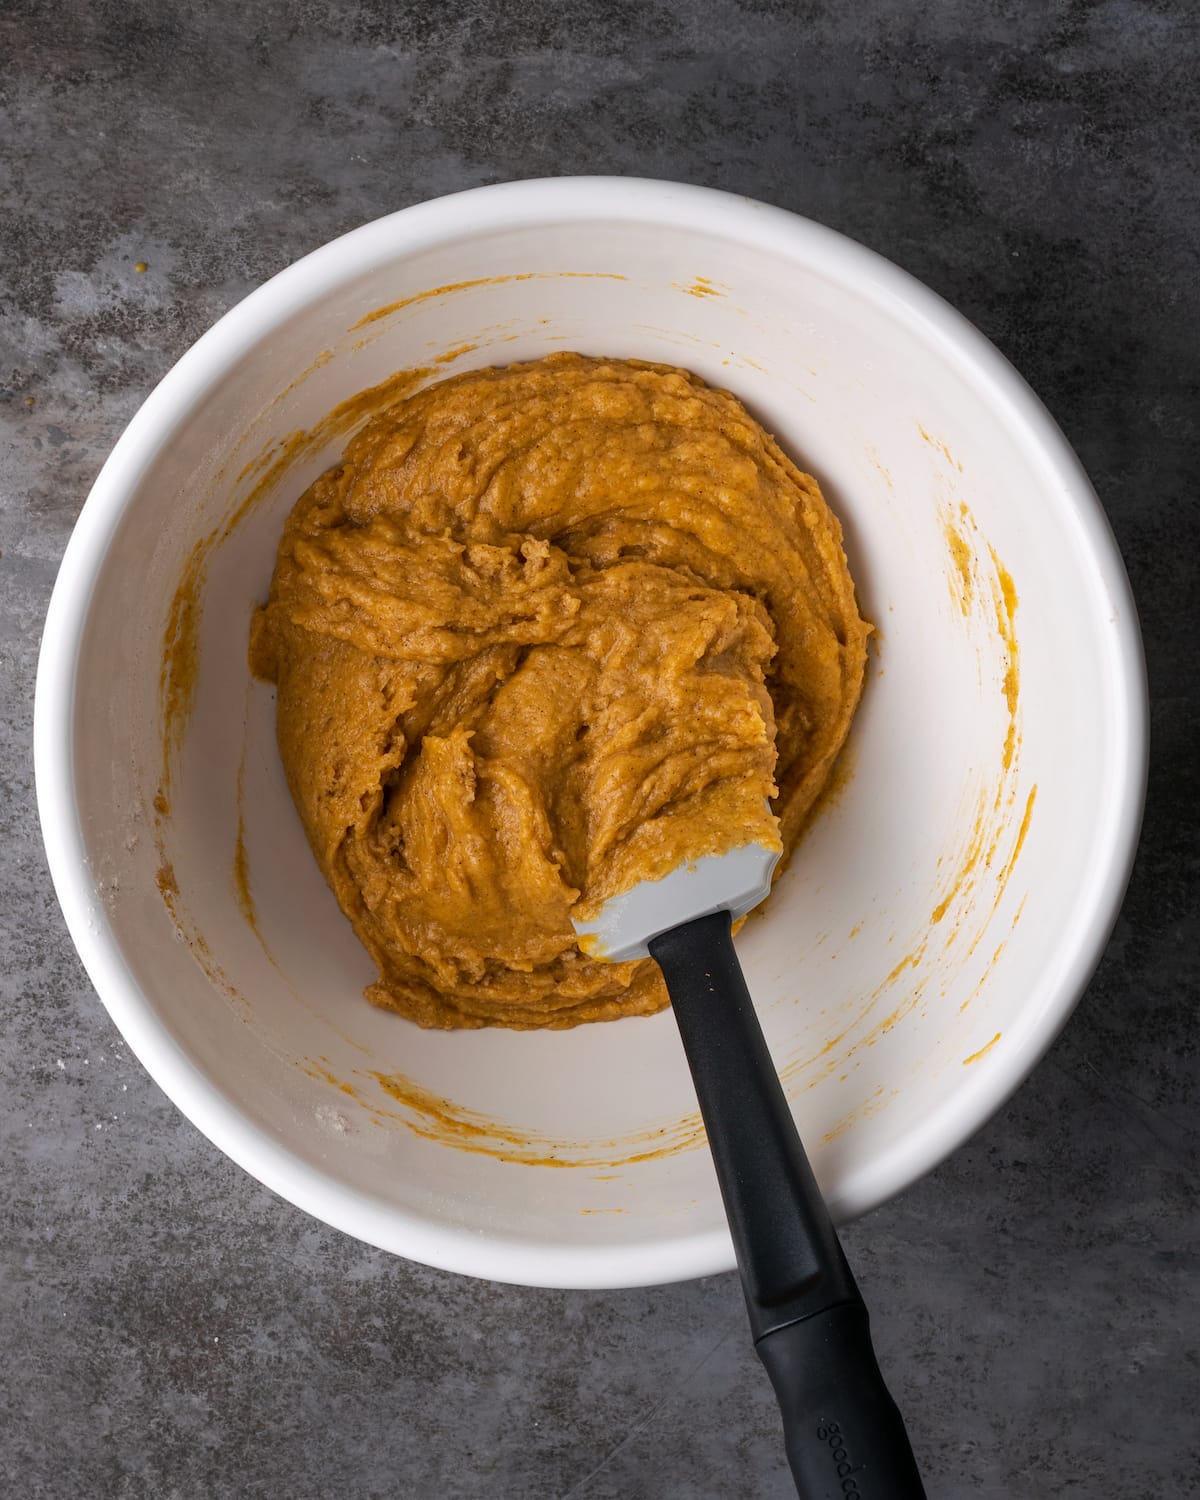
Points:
x=916 y=958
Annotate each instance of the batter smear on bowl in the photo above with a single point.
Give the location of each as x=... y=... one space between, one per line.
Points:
x=547 y=631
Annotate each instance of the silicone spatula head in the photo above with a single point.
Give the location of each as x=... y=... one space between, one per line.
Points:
x=734 y=882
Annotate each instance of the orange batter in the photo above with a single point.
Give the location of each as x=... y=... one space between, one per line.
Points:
x=544 y=632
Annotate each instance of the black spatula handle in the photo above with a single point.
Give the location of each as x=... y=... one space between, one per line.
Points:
x=844 y=1434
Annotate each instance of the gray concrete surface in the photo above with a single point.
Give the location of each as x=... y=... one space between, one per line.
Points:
x=168 y=1329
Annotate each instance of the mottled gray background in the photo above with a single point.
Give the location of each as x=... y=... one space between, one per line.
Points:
x=170 y=1330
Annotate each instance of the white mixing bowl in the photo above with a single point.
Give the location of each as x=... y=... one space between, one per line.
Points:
x=936 y=925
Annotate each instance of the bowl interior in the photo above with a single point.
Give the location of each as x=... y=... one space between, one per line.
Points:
x=912 y=958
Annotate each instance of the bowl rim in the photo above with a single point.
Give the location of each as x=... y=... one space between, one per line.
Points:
x=420 y=227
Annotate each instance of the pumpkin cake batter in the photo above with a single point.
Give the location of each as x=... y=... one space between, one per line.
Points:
x=544 y=632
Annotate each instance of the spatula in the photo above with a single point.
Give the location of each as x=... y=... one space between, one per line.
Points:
x=844 y=1434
